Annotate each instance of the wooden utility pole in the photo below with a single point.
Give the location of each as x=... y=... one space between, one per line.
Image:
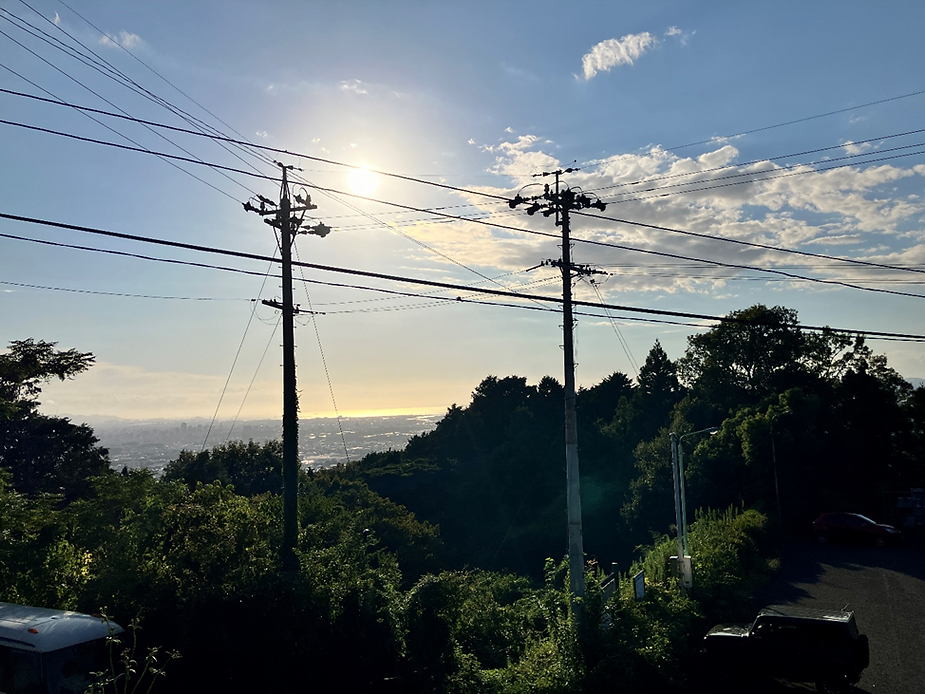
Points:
x=288 y=227
x=560 y=203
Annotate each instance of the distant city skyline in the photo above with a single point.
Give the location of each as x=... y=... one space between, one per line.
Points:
x=745 y=152
x=323 y=442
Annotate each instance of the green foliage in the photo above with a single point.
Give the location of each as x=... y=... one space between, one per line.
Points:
x=27 y=365
x=382 y=597
x=51 y=455
x=125 y=674
x=733 y=556
x=201 y=563
x=757 y=352
x=252 y=468
x=44 y=454
x=38 y=563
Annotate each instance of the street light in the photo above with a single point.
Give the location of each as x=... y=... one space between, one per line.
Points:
x=685 y=575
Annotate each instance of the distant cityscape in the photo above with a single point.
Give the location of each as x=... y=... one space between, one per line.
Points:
x=144 y=444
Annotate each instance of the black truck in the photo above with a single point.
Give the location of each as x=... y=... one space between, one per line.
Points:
x=799 y=644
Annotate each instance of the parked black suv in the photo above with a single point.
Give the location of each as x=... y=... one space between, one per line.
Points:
x=799 y=644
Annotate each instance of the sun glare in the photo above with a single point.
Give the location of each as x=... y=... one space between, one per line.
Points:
x=362 y=181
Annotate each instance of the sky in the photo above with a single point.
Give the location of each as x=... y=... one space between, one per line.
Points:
x=745 y=151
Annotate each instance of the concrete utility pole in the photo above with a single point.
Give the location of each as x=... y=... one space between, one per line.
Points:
x=288 y=226
x=560 y=203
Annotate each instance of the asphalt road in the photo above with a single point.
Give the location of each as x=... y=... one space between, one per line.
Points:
x=886 y=589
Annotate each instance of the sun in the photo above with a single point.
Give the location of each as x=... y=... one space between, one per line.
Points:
x=362 y=181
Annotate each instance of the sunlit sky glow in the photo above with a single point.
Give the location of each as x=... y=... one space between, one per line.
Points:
x=665 y=108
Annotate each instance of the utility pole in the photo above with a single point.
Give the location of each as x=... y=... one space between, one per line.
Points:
x=560 y=203
x=280 y=216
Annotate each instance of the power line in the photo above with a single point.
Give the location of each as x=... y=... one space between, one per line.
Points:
x=183 y=114
x=437 y=212
x=324 y=361
x=467 y=191
x=798 y=120
x=657 y=253
x=95 y=61
x=546 y=234
x=125 y=81
x=145 y=150
x=132 y=296
x=234 y=361
x=750 y=244
x=102 y=98
x=717 y=263
x=279 y=319
x=686 y=174
x=539 y=233
x=275 y=150
x=409 y=280
x=755 y=174
x=616 y=329
x=189 y=118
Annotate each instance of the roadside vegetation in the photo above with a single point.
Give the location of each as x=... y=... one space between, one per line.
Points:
x=428 y=569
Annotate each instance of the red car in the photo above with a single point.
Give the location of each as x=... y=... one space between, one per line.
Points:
x=853 y=527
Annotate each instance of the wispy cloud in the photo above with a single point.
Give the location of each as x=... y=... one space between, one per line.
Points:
x=680 y=35
x=124 y=39
x=857 y=148
x=615 y=52
x=354 y=85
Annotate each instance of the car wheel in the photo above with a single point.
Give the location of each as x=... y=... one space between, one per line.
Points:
x=822 y=537
x=832 y=687
x=880 y=542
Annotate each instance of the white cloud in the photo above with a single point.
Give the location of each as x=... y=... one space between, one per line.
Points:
x=124 y=39
x=262 y=134
x=57 y=20
x=615 y=52
x=851 y=211
x=355 y=86
x=681 y=36
x=857 y=148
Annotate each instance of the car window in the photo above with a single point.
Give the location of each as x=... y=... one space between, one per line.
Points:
x=70 y=670
x=20 y=671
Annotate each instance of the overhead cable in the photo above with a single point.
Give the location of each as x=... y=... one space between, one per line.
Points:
x=423 y=282
x=798 y=120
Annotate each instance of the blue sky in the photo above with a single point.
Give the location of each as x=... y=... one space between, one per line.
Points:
x=649 y=99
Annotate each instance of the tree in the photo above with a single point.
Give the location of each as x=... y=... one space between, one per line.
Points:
x=27 y=365
x=755 y=353
x=251 y=467
x=44 y=454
